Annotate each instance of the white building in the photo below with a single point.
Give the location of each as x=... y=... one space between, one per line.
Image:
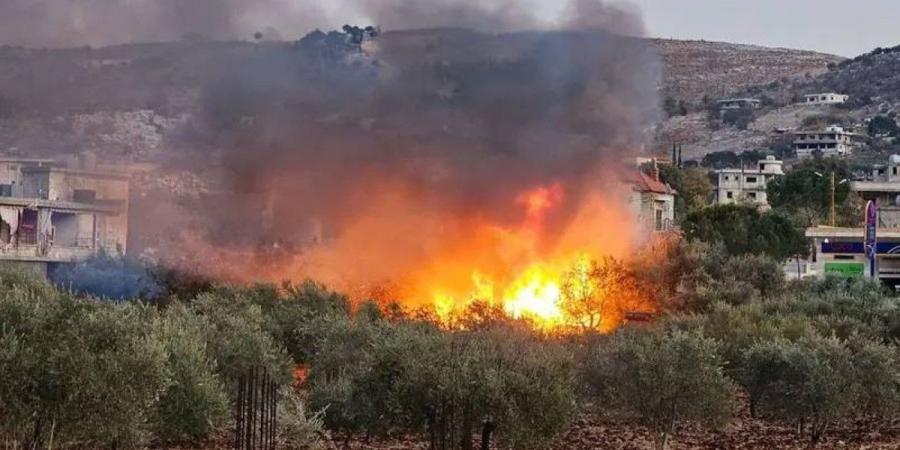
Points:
x=748 y=184
x=883 y=187
x=652 y=201
x=54 y=212
x=832 y=141
x=828 y=98
x=738 y=103
x=841 y=251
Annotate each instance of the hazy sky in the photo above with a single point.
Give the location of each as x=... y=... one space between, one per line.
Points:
x=832 y=26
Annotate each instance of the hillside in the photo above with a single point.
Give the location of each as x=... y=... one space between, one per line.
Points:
x=125 y=101
x=698 y=69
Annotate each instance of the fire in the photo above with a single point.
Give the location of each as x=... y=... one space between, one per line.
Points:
x=518 y=275
x=535 y=266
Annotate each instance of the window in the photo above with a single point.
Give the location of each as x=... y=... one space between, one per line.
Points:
x=753 y=195
x=894 y=170
x=84 y=196
x=5 y=190
x=659 y=220
x=751 y=179
x=729 y=194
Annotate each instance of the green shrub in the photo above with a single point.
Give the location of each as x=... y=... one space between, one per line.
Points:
x=662 y=378
x=77 y=370
x=810 y=382
x=373 y=376
x=239 y=335
x=194 y=403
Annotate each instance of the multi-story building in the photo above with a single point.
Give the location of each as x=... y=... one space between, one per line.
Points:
x=652 y=201
x=883 y=187
x=832 y=141
x=827 y=98
x=54 y=212
x=748 y=184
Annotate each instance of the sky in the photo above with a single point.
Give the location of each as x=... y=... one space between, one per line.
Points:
x=831 y=26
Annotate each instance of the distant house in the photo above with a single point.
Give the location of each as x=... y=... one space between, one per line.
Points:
x=58 y=212
x=652 y=201
x=748 y=184
x=828 y=98
x=738 y=103
x=832 y=141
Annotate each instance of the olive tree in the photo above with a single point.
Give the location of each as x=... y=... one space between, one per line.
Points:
x=661 y=378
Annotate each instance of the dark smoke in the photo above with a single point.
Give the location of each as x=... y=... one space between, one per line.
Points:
x=66 y=23
x=414 y=133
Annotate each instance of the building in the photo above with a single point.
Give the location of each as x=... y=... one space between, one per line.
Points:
x=883 y=187
x=738 y=103
x=828 y=98
x=841 y=251
x=651 y=201
x=832 y=141
x=55 y=212
x=747 y=184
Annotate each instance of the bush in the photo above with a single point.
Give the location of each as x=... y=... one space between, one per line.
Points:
x=810 y=382
x=662 y=378
x=239 y=336
x=446 y=386
x=297 y=429
x=76 y=370
x=194 y=403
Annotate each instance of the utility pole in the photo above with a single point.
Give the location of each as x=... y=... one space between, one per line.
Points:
x=832 y=200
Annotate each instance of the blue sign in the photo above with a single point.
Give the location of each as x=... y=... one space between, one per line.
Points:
x=871 y=235
x=859 y=248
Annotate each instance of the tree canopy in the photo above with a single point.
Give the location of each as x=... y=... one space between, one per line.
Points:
x=742 y=230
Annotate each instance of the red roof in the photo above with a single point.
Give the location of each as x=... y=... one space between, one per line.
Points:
x=642 y=182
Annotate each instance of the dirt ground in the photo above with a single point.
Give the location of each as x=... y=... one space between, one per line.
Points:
x=594 y=432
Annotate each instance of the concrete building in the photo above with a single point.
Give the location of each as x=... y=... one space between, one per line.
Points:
x=832 y=141
x=738 y=103
x=747 y=184
x=827 y=98
x=651 y=201
x=841 y=251
x=883 y=187
x=55 y=212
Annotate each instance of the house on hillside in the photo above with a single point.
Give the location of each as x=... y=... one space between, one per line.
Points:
x=58 y=212
x=747 y=184
x=737 y=104
x=832 y=141
x=652 y=201
x=828 y=98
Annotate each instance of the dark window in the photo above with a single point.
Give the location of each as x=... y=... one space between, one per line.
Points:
x=753 y=195
x=5 y=190
x=659 y=219
x=751 y=179
x=84 y=196
x=729 y=194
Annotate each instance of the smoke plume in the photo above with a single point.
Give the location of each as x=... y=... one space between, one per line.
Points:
x=448 y=139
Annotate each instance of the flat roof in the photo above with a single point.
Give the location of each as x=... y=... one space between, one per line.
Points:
x=843 y=232
x=875 y=186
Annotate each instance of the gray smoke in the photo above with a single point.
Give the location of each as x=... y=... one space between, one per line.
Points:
x=67 y=23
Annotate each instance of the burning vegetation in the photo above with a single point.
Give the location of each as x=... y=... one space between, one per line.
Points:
x=435 y=168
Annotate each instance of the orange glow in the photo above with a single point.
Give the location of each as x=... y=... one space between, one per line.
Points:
x=399 y=247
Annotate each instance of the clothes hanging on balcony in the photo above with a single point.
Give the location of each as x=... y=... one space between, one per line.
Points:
x=10 y=215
